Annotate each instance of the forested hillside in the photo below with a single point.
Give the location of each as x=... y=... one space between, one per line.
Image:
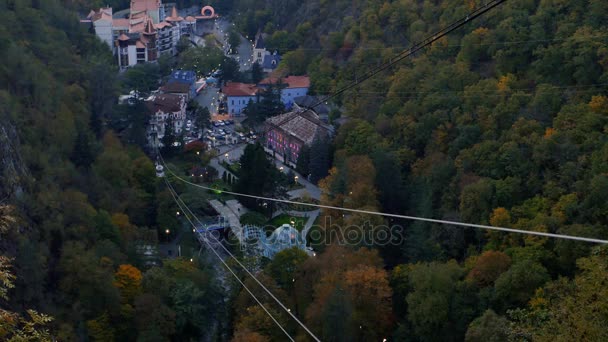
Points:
x=79 y=205
x=503 y=122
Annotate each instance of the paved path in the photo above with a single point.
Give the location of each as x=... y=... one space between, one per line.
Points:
x=312 y=190
x=231 y=216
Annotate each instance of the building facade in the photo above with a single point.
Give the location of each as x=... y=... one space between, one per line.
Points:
x=291 y=87
x=161 y=107
x=168 y=30
x=238 y=96
x=288 y=133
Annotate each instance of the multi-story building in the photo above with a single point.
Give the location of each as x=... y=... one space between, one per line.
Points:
x=181 y=82
x=238 y=96
x=140 y=47
x=289 y=132
x=161 y=107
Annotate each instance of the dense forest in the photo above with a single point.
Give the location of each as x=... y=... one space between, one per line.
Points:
x=503 y=122
x=80 y=204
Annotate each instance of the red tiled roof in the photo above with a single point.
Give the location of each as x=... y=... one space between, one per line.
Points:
x=120 y=22
x=162 y=25
x=149 y=27
x=239 y=89
x=139 y=45
x=123 y=37
x=174 y=16
x=166 y=103
x=190 y=18
x=103 y=13
x=144 y=5
x=291 y=81
x=176 y=87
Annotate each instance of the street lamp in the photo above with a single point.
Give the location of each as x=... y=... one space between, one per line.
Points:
x=177 y=213
x=167 y=231
x=296 y=179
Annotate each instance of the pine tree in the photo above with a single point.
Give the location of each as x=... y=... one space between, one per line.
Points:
x=257 y=73
x=320 y=162
x=303 y=162
x=169 y=137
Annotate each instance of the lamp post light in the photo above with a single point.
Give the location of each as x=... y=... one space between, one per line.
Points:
x=295 y=179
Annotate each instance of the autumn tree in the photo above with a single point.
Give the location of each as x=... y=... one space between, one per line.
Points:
x=488 y=267
x=127 y=280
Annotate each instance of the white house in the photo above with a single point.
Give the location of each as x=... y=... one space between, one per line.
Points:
x=238 y=96
x=291 y=87
x=259 y=49
x=102 y=23
x=161 y=106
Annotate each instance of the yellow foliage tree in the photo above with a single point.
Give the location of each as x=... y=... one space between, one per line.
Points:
x=128 y=280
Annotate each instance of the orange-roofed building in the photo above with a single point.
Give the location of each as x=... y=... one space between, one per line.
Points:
x=291 y=87
x=146 y=41
x=238 y=96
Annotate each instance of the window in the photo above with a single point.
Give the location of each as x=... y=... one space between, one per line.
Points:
x=233 y=102
x=259 y=55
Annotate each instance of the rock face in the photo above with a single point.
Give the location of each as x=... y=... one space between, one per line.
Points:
x=12 y=168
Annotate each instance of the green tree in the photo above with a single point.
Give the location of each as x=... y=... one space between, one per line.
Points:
x=517 y=285
x=488 y=327
x=257 y=73
x=433 y=308
x=258 y=176
x=283 y=267
x=303 y=161
x=320 y=158
x=169 y=138
x=234 y=39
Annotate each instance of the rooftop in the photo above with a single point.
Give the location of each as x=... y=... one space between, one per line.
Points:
x=174 y=16
x=271 y=61
x=166 y=103
x=145 y=5
x=259 y=41
x=239 y=89
x=188 y=76
x=176 y=87
x=304 y=126
x=308 y=101
x=290 y=81
x=122 y=22
x=102 y=13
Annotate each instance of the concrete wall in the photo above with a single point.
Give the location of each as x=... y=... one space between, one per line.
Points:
x=236 y=104
x=288 y=94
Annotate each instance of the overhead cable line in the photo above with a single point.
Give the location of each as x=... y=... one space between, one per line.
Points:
x=177 y=200
x=394 y=60
x=414 y=48
x=398 y=216
x=512 y=42
x=287 y=310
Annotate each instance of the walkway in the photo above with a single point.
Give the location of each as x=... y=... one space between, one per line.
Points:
x=231 y=216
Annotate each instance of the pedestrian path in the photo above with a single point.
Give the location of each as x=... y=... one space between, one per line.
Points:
x=231 y=216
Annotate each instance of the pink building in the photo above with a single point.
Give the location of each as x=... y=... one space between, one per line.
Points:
x=287 y=133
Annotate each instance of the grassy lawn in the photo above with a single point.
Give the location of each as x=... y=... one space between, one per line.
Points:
x=285 y=219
